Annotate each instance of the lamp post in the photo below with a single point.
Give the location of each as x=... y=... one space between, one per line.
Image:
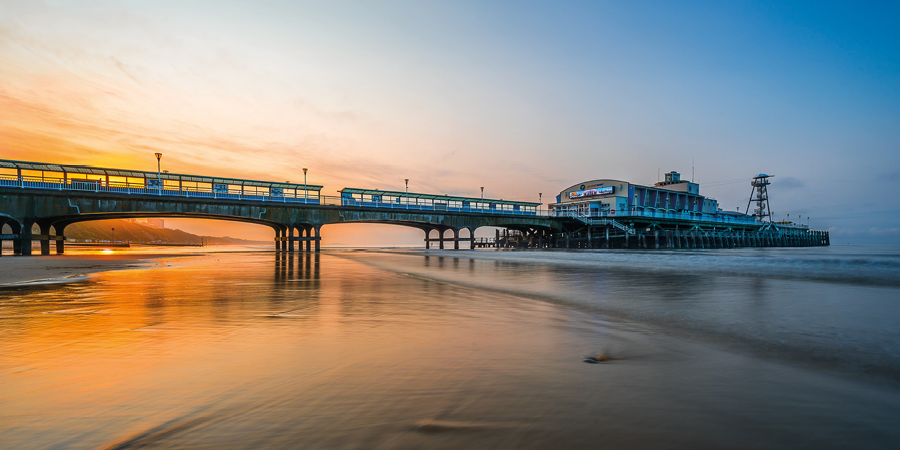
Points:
x=304 y=185
x=407 y=192
x=158 y=178
x=540 y=195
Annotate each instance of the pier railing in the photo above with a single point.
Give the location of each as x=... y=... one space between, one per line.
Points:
x=125 y=188
x=621 y=216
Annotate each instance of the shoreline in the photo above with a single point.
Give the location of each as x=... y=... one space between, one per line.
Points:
x=56 y=269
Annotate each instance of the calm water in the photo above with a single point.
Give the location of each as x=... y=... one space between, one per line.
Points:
x=754 y=348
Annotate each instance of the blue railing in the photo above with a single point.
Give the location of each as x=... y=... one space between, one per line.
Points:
x=132 y=189
x=427 y=207
x=687 y=216
x=193 y=192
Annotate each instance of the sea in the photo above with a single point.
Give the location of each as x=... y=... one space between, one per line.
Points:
x=245 y=348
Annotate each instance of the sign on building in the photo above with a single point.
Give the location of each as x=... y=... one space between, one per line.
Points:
x=592 y=192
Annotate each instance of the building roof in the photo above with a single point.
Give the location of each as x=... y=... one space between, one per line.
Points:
x=433 y=196
x=90 y=170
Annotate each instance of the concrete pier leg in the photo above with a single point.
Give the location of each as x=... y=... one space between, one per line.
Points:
x=290 y=243
x=441 y=239
x=59 y=231
x=44 y=236
x=455 y=239
x=318 y=238
x=45 y=245
x=427 y=237
x=656 y=239
x=25 y=238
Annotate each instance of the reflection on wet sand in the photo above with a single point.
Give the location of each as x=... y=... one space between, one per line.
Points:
x=334 y=352
x=307 y=266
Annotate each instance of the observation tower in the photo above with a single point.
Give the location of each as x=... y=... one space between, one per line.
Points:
x=760 y=195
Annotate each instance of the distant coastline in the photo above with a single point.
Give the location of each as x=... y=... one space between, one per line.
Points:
x=116 y=231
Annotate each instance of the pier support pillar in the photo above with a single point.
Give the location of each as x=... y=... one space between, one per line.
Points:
x=45 y=238
x=59 y=233
x=318 y=238
x=427 y=238
x=22 y=246
x=290 y=236
x=455 y=238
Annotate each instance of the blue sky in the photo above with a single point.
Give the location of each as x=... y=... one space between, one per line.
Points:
x=521 y=97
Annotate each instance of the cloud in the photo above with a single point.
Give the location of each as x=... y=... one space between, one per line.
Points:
x=883 y=232
x=789 y=183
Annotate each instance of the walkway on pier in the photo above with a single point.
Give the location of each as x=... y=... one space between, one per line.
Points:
x=53 y=196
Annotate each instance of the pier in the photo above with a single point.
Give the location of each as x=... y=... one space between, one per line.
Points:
x=39 y=200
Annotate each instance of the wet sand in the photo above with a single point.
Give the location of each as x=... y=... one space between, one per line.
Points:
x=16 y=270
x=396 y=351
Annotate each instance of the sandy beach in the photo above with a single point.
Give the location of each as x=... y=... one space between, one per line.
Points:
x=18 y=270
x=474 y=350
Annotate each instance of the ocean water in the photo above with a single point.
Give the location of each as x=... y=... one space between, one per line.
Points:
x=409 y=349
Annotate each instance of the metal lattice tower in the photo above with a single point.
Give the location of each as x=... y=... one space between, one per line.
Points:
x=760 y=195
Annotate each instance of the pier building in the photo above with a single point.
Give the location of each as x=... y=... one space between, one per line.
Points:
x=670 y=214
x=609 y=198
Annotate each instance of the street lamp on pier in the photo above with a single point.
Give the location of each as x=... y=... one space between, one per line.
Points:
x=407 y=192
x=540 y=195
x=158 y=171
x=304 y=185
